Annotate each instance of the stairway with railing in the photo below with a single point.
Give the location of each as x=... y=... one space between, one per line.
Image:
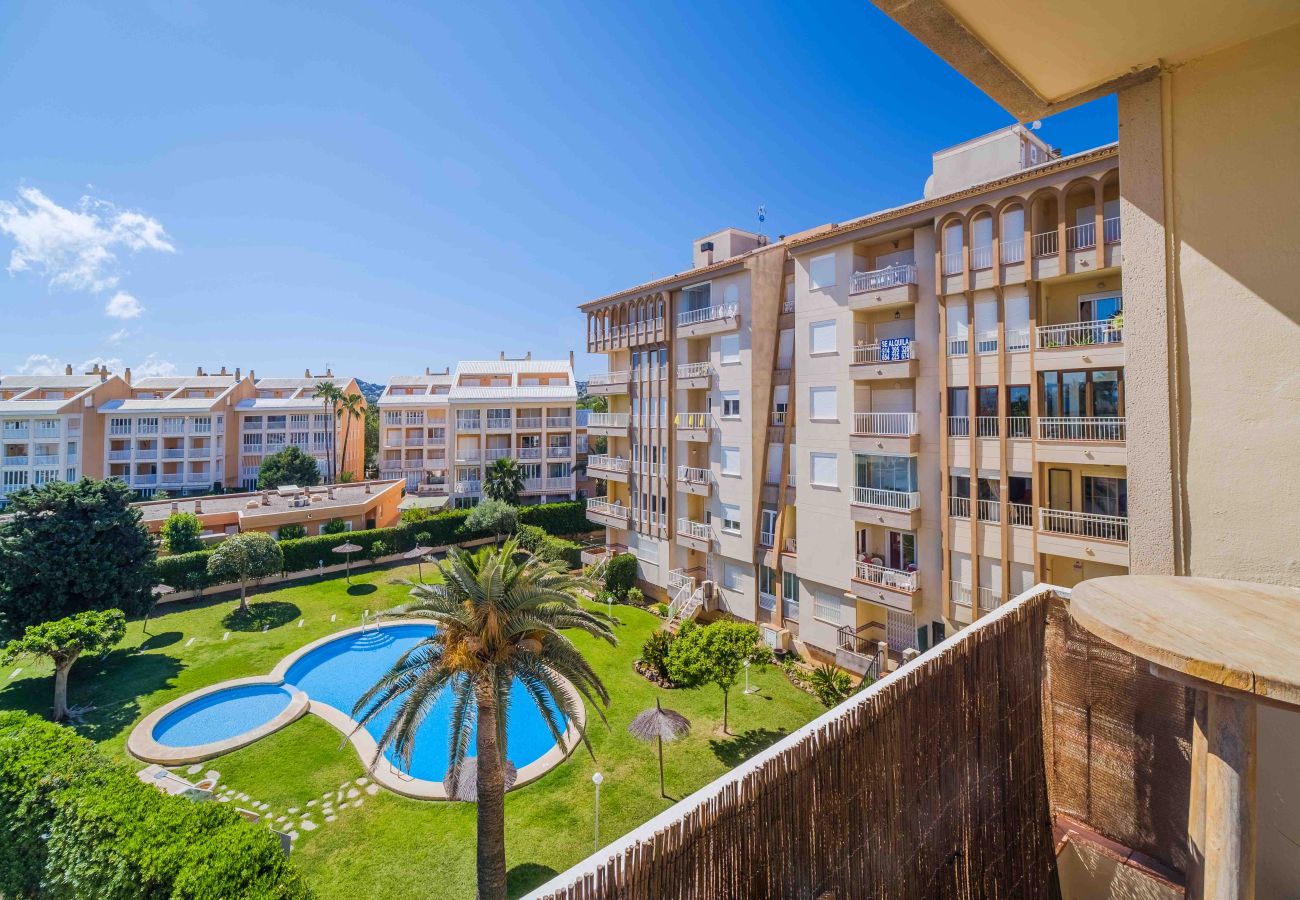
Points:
x=687 y=599
x=858 y=653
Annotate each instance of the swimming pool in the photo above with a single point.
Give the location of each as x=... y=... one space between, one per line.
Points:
x=326 y=678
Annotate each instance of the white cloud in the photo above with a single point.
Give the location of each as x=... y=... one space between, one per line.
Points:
x=152 y=365
x=123 y=306
x=40 y=364
x=112 y=363
x=120 y=335
x=75 y=248
x=44 y=364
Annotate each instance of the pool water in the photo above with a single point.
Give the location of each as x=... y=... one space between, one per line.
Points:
x=338 y=673
x=221 y=715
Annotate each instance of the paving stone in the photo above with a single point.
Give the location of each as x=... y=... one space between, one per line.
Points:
x=372 y=789
x=309 y=825
x=293 y=810
x=212 y=774
x=197 y=767
x=352 y=793
x=293 y=835
x=330 y=818
x=223 y=799
x=357 y=803
x=279 y=819
x=311 y=802
x=363 y=781
x=338 y=796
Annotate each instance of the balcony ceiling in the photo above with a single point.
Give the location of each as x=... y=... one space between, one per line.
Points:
x=1038 y=58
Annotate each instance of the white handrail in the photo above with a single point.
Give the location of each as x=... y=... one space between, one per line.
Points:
x=871 y=353
x=693 y=475
x=607 y=420
x=952 y=263
x=1080 y=334
x=879 y=279
x=694 y=420
x=1046 y=243
x=886 y=577
x=1022 y=515
x=1013 y=251
x=1080 y=524
x=694 y=370
x=1110 y=230
x=959 y=426
x=986 y=342
x=1081 y=428
x=698 y=530
x=608 y=377
x=602 y=507
x=900 y=500
x=706 y=314
x=1081 y=237
x=608 y=463
x=986 y=426
x=959 y=507
x=981 y=257
x=989 y=511
x=885 y=423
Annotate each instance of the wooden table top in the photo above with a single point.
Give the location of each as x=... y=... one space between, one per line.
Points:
x=1236 y=634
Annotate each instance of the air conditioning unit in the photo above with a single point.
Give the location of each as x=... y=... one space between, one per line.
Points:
x=778 y=639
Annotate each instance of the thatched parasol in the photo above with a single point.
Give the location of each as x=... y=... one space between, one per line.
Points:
x=464 y=786
x=159 y=591
x=348 y=550
x=419 y=554
x=660 y=725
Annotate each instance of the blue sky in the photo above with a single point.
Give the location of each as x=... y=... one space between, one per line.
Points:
x=388 y=186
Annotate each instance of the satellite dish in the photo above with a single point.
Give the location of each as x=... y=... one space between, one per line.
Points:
x=1037 y=124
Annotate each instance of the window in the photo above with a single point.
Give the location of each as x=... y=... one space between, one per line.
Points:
x=822 y=469
x=731 y=518
x=821 y=271
x=731 y=404
x=1105 y=496
x=767 y=584
x=729 y=347
x=822 y=404
x=826 y=607
x=790 y=595
x=767 y=528
x=886 y=473
x=730 y=460
x=731 y=576
x=821 y=337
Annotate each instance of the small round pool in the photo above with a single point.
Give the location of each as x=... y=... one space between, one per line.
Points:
x=222 y=715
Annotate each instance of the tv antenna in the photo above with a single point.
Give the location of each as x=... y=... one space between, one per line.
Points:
x=762 y=216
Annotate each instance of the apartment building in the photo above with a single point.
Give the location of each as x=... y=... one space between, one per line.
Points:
x=286 y=412
x=439 y=431
x=47 y=422
x=175 y=433
x=939 y=385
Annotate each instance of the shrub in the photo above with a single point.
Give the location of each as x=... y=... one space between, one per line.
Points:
x=334 y=526
x=423 y=539
x=180 y=533
x=654 y=652
x=713 y=654
x=78 y=825
x=661 y=610
x=620 y=575
x=182 y=570
x=635 y=597
x=830 y=685
x=291 y=532
x=568 y=517
x=550 y=549
x=377 y=549
x=415 y=514
x=292 y=465
x=531 y=537
x=494 y=517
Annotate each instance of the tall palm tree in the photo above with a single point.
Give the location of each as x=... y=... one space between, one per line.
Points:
x=504 y=481
x=501 y=616
x=351 y=406
x=329 y=394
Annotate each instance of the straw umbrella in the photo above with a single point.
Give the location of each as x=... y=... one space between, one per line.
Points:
x=418 y=554
x=463 y=785
x=660 y=725
x=348 y=550
x=159 y=591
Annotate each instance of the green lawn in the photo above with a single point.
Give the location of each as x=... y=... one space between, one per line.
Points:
x=425 y=847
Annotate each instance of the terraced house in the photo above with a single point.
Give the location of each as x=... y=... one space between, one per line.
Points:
x=940 y=386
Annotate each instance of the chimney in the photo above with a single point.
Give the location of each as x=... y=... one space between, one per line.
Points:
x=503 y=356
x=330 y=493
x=237 y=378
x=198 y=507
x=223 y=371
x=570 y=359
x=126 y=374
x=427 y=371
x=329 y=373
x=251 y=376
x=176 y=507
x=266 y=498
x=367 y=487
x=68 y=369
x=306 y=373
x=198 y=370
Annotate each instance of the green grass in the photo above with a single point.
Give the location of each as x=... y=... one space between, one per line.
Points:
x=391 y=844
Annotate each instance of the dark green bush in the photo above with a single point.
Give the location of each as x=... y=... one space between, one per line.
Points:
x=291 y=532
x=334 y=526
x=535 y=540
x=654 y=653
x=184 y=571
x=620 y=575
x=77 y=825
x=568 y=517
x=377 y=549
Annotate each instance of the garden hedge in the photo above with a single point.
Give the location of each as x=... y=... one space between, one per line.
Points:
x=78 y=825
x=186 y=571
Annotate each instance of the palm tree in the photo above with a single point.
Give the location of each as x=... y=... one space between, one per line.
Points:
x=350 y=406
x=504 y=481
x=328 y=392
x=501 y=616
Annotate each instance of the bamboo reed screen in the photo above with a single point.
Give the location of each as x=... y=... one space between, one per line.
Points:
x=932 y=787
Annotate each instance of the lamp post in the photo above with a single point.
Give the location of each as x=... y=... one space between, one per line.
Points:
x=596 y=780
x=748 y=689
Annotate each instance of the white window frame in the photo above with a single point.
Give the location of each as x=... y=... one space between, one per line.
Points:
x=821 y=328
x=726 y=357
x=816 y=280
x=813 y=393
x=730 y=397
x=821 y=606
x=722 y=461
x=727 y=523
x=823 y=457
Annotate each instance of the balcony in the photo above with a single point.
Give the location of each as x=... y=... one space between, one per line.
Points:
x=561 y=484
x=564 y=452
x=1019 y=428
x=13 y=462
x=492 y=454
x=892 y=588
x=414 y=441
x=694 y=480
x=1078 y=345
x=528 y=453
x=610 y=468
x=469 y=486
x=708 y=320
x=528 y=423
x=469 y=455
x=1082 y=440
x=144 y=480
x=167 y=479
x=45 y=459
x=608 y=383
x=602 y=512
x=890 y=432
x=958 y=507
x=694 y=535
x=963 y=598
x=892 y=509
x=694 y=426
x=887 y=288
x=559 y=421
x=495 y=423
x=885 y=361
x=694 y=376
x=1085 y=536
x=199 y=478
x=112 y=429
x=608 y=424
x=146 y=453
x=1021 y=515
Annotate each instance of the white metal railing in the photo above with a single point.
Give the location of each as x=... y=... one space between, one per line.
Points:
x=986 y=342
x=119 y=454
x=151 y=453
x=986 y=426
x=468 y=487
x=791 y=480
x=607 y=420
x=706 y=314
x=1081 y=237
x=1018 y=426
x=560 y=483
x=905 y=501
x=695 y=420
x=146 y=428
x=698 y=530
x=1022 y=514
x=873 y=353
x=608 y=378
x=112 y=429
x=608 y=463
x=173 y=453
x=694 y=370
x=678 y=579
x=534 y=421
x=887 y=424
x=418 y=441
x=766 y=538
x=559 y=452
x=766 y=602
x=961 y=595
x=559 y=421
x=959 y=426
x=952 y=263
x=529 y=453
x=989 y=510
x=1110 y=230
x=494 y=453
x=1046 y=244
x=1080 y=334
x=959 y=507
x=778 y=418
x=498 y=423
x=981 y=257
x=1093 y=428
x=468 y=455
x=15 y=461
x=1012 y=251
x=989 y=599
x=1079 y=524
x=602 y=507
x=694 y=475
x=890 y=276
x=958 y=345
x=144 y=479
x=886 y=577
x=1018 y=340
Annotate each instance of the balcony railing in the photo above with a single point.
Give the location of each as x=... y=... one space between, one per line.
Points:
x=494 y=453
x=887 y=424
x=1109 y=428
x=986 y=342
x=787 y=306
x=778 y=419
x=695 y=370
x=1087 y=525
x=498 y=424
x=958 y=345
x=469 y=455
x=173 y=453
x=959 y=507
x=119 y=455
x=1013 y=251
x=959 y=426
x=469 y=487
x=14 y=461
x=1022 y=515
x=1046 y=244
x=112 y=429
x=886 y=577
x=559 y=452
x=1081 y=237
x=559 y=421
x=904 y=501
x=1018 y=340
x=1110 y=230
x=608 y=463
x=876 y=353
x=608 y=378
x=879 y=279
x=694 y=475
x=695 y=420
x=986 y=426
x=528 y=422
x=602 y=507
x=1018 y=426
x=952 y=263
x=607 y=420
x=1080 y=334
x=961 y=595
x=707 y=314
x=559 y=483
x=989 y=510
x=981 y=257
x=698 y=530
x=529 y=453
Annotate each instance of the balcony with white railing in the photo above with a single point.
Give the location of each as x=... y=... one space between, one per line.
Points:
x=694 y=375
x=694 y=319
x=958 y=345
x=989 y=511
x=885 y=360
x=559 y=452
x=902 y=501
x=787 y=307
x=469 y=455
x=1012 y=251
x=1110 y=230
x=1075 y=335
x=528 y=423
x=959 y=426
x=694 y=480
x=604 y=466
x=962 y=602
x=695 y=535
x=492 y=454
x=112 y=429
x=609 y=382
x=173 y=453
x=1084 y=525
x=607 y=423
x=562 y=483
x=607 y=513
x=883 y=288
x=889 y=508
x=892 y=588
x=986 y=342
x=469 y=487
x=1019 y=427
x=695 y=426
x=959 y=507
x=1081 y=429
x=1046 y=243
x=1022 y=515
x=952 y=263
x=559 y=421
x=119 y=455
x=981 y=258
x=528 y=453
x=1081 y=237
x=14 y=462
x=987 y=426
x=885 y=424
